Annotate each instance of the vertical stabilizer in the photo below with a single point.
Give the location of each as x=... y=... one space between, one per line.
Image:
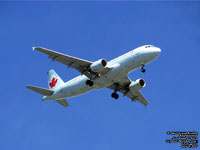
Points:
x=54 y=80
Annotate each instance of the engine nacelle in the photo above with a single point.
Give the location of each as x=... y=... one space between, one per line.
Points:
x=98 y=65
x=137 y=85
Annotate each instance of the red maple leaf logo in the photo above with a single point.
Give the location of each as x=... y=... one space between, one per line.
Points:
x=53 y=82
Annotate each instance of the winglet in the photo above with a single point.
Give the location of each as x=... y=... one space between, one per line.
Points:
x=33 y=48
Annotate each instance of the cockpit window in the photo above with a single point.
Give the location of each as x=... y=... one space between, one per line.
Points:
x=149 y=46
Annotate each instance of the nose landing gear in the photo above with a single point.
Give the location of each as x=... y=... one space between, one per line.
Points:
x=142 y=68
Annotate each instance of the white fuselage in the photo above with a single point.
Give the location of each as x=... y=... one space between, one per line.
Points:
x=121 y=67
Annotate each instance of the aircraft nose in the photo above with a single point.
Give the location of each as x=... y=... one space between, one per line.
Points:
x=157 y=51
x=150 y=54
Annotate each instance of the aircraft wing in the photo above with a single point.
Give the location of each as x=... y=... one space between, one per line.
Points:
x=122 y=87
x=73 y=62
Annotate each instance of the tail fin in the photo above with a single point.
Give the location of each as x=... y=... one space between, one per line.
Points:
x=54 y=80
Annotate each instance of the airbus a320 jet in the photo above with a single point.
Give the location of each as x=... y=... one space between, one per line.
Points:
x=97 y=75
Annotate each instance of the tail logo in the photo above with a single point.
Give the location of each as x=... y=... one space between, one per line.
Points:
x=53 y=82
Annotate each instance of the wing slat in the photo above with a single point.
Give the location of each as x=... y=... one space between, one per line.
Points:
x=52 y=53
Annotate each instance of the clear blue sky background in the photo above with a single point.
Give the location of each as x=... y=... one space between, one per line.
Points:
x=94 y=30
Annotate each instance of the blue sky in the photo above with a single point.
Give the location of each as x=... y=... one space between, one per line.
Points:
x=94 y=30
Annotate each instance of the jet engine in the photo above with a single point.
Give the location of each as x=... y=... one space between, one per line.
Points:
x=98 y=65
x=137 y=85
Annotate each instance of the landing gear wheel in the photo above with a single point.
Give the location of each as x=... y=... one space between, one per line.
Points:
x=115 y=95
x=89 y=82
x=142 y=69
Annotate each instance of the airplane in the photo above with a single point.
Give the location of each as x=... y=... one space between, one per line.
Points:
x=97 y=75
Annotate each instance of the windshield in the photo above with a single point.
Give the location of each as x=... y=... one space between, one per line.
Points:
x=147 y=46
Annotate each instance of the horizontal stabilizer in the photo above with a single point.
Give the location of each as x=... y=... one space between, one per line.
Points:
x=62 y=102
x=40 y=90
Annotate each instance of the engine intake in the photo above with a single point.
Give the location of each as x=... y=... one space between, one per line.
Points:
x=98 y=65
x=137 y=85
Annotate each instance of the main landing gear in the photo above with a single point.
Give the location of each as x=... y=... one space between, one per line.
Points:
x=142 y=68
x=89 y=82
x=115 y=95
